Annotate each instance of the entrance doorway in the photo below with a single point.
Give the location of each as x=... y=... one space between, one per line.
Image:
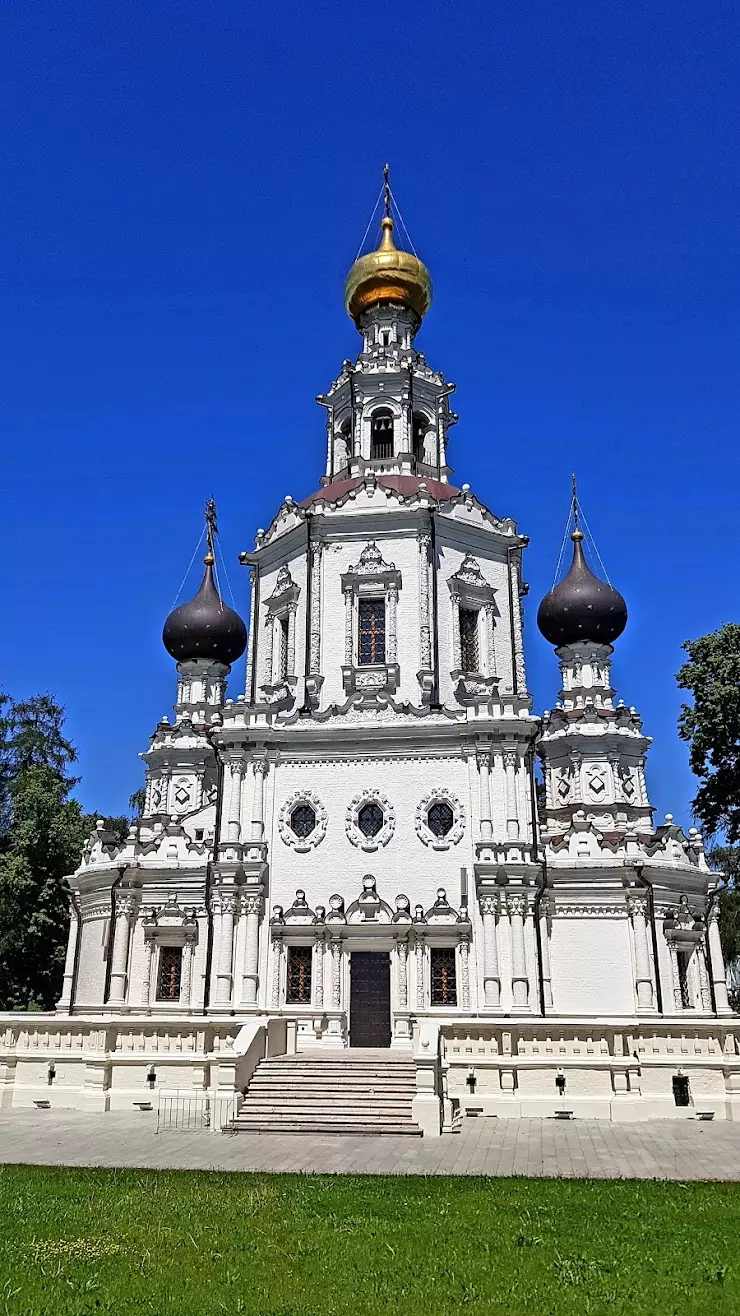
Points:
x=370 y=998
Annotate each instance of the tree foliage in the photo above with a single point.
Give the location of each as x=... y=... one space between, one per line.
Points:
x=711 y=727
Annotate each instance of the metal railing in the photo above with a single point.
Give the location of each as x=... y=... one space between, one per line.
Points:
x=189 y=1112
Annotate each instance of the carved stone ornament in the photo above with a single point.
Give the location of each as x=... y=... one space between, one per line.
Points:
x=354 y=832
x=302 y=844
x=421 y=820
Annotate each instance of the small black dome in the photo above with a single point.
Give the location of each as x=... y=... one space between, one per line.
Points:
x=581 y=607
x=205 y=627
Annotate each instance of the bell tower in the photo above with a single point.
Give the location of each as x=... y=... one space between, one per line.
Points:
x=388 y=411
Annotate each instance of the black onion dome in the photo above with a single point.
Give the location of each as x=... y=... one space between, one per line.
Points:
x=205 y=627
x=581 y=607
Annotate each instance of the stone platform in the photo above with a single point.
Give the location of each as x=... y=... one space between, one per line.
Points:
x=660 y=1149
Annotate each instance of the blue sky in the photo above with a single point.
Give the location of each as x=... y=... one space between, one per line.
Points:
x=184 y=187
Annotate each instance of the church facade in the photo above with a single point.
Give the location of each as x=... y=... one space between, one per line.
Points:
x=358 y=854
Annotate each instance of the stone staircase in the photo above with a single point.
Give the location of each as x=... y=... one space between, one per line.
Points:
x=352 y=1092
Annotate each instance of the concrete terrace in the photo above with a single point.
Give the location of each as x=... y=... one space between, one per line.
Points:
x=660 y=1149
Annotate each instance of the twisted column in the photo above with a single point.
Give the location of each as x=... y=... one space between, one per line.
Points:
x=336 y=974
x=419 y=952
x=318 y=988
x=348 y=627
x=465 y=972
x=425 y=633
x=392 y=653
x=277 y=948
x=402 y=950
x=491 y=978
x=186 y=985
x=146 y=981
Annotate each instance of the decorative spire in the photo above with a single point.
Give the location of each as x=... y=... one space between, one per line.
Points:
x=387 y=275
x=204 y=627
x=581 y=607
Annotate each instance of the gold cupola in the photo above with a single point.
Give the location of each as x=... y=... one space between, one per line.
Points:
x=387 y=275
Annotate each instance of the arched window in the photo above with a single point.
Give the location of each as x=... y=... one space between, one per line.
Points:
x=381 y=434
x=421 y=425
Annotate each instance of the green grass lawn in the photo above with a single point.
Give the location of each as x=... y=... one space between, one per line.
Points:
x=74 y=1241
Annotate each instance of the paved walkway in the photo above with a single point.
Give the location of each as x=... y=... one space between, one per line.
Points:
x=663 y=1149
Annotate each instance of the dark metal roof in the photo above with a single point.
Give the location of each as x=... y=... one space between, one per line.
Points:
x=581 y=607
x=205 y=627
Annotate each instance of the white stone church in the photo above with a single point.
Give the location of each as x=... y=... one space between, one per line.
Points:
x=347 y=904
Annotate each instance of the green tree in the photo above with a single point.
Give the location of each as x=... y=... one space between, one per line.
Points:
x=42 y=845
x=711 y=727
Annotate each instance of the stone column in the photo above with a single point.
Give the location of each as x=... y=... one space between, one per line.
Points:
x=315 y=648
x=125 y=911
x=250 y=978
x=277 y=950
x=465 y=972
x=491 y=978
x=483 y=759
x=519 y=980
x=269 y=648
x=336 y=974
x=290 y=654
x=717 y=963
x=425 y=632
x=638 y=908
x=456 y=643
x=259 y=768
x=318 y=960
x=519 y=670
x=146 y=981
x=227 y=904
x=252 y=624
x=234 y=799
x=392 y=650
x=545 y=948
x=65 y=1000
x=402 y=950
x=186 y=983
x=419 y=952
x=511 y=759
x=349 y=647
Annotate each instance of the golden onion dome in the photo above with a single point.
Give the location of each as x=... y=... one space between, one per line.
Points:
x=387 y=275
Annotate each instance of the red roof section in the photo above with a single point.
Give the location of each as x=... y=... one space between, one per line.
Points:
x=403 y=484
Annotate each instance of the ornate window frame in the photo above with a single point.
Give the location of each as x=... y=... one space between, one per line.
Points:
x=423 y=830
x=302 y=844
x=372 y=578
x=351 y=825
x=469 y=589
x=282 y=605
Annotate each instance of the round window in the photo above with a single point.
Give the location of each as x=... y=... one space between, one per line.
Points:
x=370 y=819
x=302 y=820
x=440 y=818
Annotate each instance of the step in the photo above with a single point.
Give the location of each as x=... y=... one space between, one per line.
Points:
x=351 y=1089
x=255 y=1108
x=338 y=1130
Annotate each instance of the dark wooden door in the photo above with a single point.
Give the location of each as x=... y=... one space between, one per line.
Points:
x=370 y=998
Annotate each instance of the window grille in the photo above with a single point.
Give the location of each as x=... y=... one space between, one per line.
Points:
x=283 y=648
x=469 y=639
x=299 y=975
x=370 y=819
x=444 y=976
x=371 y=632
x=440 y=818
x=302 y=820
x=169 y=973
x=381 y=435
x=683 y=979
